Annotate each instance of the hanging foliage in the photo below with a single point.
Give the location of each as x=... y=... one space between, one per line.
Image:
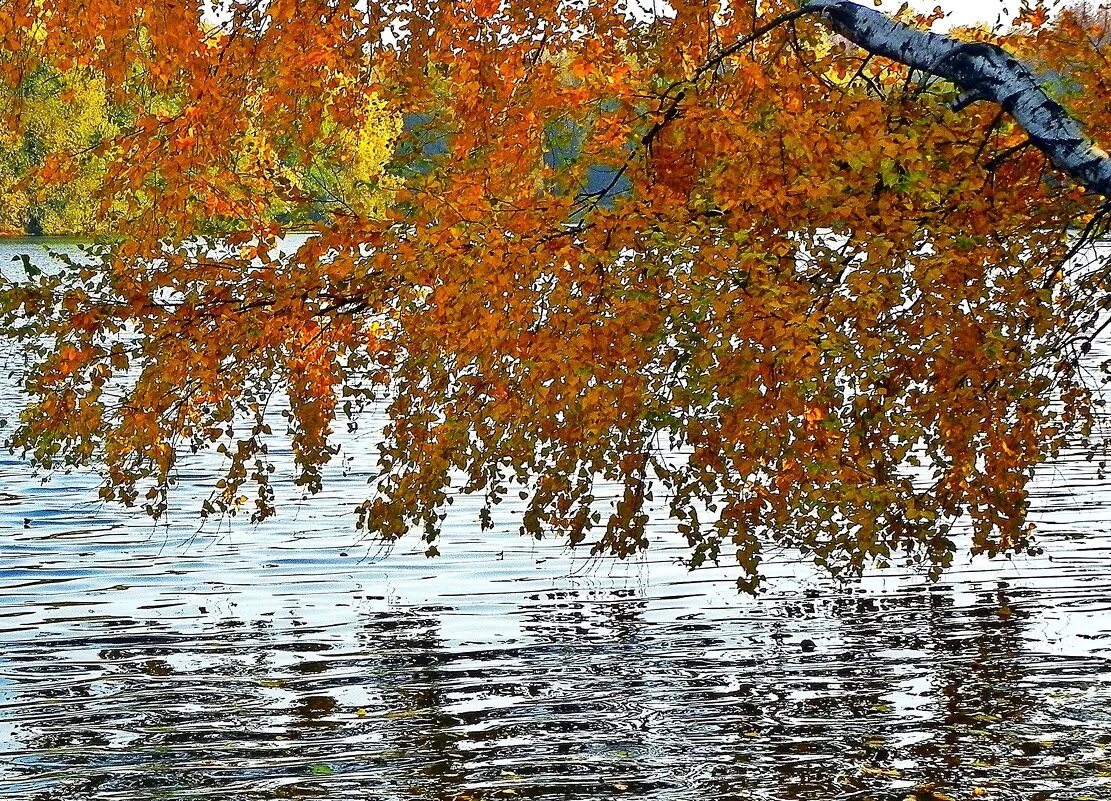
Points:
x=721 y=258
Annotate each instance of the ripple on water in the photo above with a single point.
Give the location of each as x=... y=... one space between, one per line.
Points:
x=294 y=660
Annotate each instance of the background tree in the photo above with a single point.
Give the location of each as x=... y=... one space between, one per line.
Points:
x=61 y=138
x=59 y=115
x=720 y=257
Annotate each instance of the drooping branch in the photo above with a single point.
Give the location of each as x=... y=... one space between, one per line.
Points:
x=982 y=71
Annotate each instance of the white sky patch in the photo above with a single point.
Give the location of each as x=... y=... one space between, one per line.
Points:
x=958 y=12
x=967 y=12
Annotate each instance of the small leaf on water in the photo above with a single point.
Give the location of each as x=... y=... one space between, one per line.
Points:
x=889 y=772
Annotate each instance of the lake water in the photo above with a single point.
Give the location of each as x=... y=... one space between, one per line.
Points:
x=292 y=660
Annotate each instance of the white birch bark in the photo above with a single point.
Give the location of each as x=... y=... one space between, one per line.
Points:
x=981 y=71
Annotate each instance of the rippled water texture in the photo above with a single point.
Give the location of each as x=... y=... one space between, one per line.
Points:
x=292 y=660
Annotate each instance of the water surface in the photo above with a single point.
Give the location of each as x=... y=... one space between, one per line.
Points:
x=293 y=659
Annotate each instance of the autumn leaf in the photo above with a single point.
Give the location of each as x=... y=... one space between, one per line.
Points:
x=486 y=8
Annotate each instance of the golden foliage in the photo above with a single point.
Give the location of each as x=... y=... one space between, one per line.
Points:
x=50 y=170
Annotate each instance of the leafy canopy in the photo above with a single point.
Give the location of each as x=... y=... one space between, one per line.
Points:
x=790 y=294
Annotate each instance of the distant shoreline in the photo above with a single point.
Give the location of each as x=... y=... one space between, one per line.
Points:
x=8 y=239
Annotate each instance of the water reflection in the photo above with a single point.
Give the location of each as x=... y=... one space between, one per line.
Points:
x=282 y=662
x=591 y=700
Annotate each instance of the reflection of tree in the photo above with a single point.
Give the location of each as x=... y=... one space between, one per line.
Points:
x=846 y=717
x=594 y=700
x=118 y=712
x=539 y=716
x=980 y=681
x=411 y=668
x=796 y=717
x=593 y=719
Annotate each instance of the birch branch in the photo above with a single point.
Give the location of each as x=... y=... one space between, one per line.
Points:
x=982 y=71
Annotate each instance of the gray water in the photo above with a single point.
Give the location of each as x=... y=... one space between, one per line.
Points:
x=293 y=659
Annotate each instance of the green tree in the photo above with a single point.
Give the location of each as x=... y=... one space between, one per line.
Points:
x=63 y=119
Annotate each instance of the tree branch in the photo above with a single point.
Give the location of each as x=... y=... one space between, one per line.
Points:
x=981 y=71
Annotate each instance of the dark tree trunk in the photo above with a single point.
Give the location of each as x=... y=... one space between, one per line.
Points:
x=982 y=72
